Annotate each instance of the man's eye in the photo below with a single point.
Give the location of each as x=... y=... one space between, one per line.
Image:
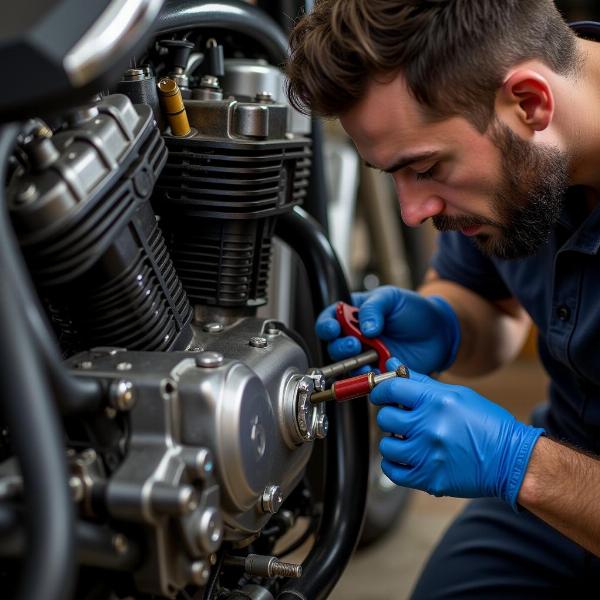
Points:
x=426 y=174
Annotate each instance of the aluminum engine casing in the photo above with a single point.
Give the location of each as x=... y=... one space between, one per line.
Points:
x=238 y=417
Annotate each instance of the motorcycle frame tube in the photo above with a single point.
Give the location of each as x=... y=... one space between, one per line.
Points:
x=28 y=408
x=233 y=15
x=347 y=443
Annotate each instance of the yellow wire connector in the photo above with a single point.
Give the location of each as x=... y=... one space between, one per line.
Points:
x=172 y=104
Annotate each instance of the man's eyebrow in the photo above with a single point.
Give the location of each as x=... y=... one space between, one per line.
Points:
x=405 y=161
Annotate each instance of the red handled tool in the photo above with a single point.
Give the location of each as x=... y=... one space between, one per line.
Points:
x=355 y=387
x=347 y=316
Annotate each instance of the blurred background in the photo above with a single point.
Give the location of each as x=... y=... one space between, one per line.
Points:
x=375 y=249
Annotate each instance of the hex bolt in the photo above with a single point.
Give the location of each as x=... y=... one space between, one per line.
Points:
x=199 y=572
x=209 y=360
x=321 y=427
x=205 y=462
x=124 y=366
x=264 y=97
x=258 y=342
x=121 y=395
x=213 y=327
x=210 y=530
x=271 y=499
x=134 y=74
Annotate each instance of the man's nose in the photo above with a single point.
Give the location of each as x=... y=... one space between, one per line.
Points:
x=418 y=206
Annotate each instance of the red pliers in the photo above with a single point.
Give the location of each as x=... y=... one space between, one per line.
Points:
x=347 y=316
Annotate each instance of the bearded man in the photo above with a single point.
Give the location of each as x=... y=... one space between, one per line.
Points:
x=486 y=113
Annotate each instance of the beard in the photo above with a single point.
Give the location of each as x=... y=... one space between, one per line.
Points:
x=527 y=203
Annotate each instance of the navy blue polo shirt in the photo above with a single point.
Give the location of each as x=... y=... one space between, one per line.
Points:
x=560 y=289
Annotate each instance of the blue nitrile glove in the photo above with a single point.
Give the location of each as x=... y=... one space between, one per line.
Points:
x=456 y=443
x=423 y=332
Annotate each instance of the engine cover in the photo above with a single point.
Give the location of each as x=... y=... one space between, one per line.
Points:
x=219 y=438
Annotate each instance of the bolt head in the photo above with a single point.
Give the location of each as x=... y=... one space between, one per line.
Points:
x=85 y=364
x=123 y=397
x=199 y=572
x=272 y=499
x=209 y=360
x=124 y=366
x=258 y=342
x=213 y=327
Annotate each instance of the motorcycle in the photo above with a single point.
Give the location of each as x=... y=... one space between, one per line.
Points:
x=158 y=437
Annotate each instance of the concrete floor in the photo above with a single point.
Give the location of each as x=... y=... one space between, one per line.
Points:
x=388 y=570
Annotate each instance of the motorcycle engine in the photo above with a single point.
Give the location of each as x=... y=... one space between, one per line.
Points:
x=150 y=249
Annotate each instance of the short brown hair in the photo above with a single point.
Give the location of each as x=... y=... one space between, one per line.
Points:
x=453 y=53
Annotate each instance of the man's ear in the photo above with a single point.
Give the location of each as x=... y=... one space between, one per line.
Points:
x=525 y=101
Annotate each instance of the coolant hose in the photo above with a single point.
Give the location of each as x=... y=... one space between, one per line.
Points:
x=29 y=413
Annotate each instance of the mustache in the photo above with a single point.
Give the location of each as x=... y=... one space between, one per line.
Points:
x=445 y=223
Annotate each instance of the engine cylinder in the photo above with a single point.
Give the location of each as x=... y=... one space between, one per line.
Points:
x=90 y=237
x=221 y=192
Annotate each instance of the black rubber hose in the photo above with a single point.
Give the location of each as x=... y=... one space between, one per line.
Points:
x=347 y=443
x=232 y=15
x=28 y=409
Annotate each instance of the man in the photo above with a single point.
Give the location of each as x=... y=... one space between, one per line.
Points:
x=487 y=115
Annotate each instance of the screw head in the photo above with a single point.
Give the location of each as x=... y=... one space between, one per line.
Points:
x=209 y=360
x=85 y=364
x=271 y=499
x=122 y=395
x=124 y=366
x=258 y=342
x=199 y=572
x=213 y=327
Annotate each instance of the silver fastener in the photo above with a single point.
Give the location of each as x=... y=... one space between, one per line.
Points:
x=27 y=194
x=258 y=342
x=271 y=499
x=210 y=530
x=209 y=81
x=134 y=75
x=322 y=426
x=199 y=572
x=124 y=366
x=213 y=327
x=85 y=364
x=209 y=360
x=264 y=96
x=204 y=462
x=122 y=396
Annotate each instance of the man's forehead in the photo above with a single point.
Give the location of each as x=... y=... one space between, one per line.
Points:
x=387 y=103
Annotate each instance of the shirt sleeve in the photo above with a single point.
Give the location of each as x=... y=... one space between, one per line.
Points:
x=458 y=259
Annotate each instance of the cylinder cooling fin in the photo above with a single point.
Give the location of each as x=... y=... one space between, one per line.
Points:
x=91 y=240
x=219 y=201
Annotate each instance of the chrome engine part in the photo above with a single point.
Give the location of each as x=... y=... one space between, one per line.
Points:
x=218 y=440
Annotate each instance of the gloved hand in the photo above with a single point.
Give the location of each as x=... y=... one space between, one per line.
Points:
x=456 y=443
x=423 y=332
